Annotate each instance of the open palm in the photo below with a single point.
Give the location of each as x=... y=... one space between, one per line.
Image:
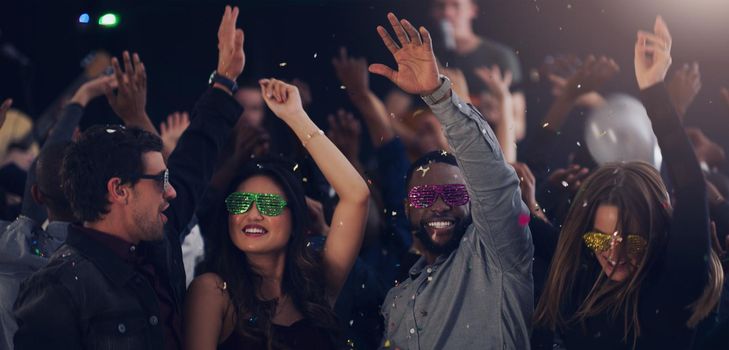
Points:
x=417 y=72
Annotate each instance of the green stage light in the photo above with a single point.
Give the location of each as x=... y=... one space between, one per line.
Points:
x=109 y=20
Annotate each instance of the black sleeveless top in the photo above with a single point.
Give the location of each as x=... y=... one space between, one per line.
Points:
x=300 y=335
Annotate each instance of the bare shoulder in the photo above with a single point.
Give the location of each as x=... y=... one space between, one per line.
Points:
x=210 y=287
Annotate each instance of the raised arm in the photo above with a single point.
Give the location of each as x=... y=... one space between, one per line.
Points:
x=688 y=245
x=347 y=228
x=129 y=99
x=63 y=131
x=352 y=72
x=192 y=162
x=496 y=203
x=502 y=104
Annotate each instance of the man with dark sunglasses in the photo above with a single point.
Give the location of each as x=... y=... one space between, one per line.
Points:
x=472 y=288
x=118 y=282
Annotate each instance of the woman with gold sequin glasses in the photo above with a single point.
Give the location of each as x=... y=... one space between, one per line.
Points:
x=631 y=269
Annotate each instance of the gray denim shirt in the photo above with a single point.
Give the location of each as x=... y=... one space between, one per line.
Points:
x=18 y=260
x=481 y=295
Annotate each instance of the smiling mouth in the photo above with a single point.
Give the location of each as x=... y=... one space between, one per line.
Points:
x=440 y=224
x=255 y=231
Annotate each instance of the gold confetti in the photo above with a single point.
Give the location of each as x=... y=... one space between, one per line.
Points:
x=424 y=170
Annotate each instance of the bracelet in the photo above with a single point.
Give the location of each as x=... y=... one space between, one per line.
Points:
x=311 y=136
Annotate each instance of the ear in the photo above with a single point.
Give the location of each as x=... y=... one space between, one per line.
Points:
x=36 y=194
x=406 y=205
x=117 y=191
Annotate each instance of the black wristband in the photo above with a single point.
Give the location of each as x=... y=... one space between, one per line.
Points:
x=215 y=77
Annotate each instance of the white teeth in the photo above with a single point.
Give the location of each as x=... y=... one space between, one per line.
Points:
x=440 y=224
x=254 y=230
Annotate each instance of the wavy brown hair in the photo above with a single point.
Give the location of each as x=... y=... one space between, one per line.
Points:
x=640 y=195
x=303 y=278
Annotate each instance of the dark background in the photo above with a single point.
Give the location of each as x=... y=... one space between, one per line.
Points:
x=177 y=41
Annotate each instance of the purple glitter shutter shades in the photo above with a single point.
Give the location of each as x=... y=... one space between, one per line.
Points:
x=425 y=195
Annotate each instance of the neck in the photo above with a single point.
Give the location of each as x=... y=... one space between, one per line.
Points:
x=111 y=226
x=466 y=41
x=430 y=257
x=271 y=269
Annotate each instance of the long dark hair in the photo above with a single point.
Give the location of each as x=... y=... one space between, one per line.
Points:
x=303 y=278
x=638 y=191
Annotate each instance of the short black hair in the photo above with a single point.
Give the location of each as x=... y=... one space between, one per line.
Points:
x=47 y=167
x=430 y=158
x=103 y=152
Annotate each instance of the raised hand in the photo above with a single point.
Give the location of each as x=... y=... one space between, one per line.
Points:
x=706 y=150
x=497 y=83
x=129 y=100
x=417 y=71
x=171 y=130
x=4 y=107
x=345 y=131
x=683 y=87
x=93 y=89
x=304 y=91
x=352 y=72
x=569 y=179
x=283 y=99
x=587 y=78
x=231 y=58
x=652 y=55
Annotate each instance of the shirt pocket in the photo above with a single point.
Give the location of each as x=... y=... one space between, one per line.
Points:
x=118 y=332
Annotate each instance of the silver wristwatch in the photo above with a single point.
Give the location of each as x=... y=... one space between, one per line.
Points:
x=440 y=93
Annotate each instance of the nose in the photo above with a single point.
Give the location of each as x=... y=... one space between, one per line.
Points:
x=616 y=253
x=253 y=212
x=170 y=193
x=440 y=206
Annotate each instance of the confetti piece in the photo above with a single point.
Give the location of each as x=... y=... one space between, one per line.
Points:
x=282 y=64
x=430 y=278
x=545 y=125
x=579 y=86
x=584 y=204
x=443 y=153
x=394 y=213
x=308 y=244
x=315 y=54
x=296 y=166
x=579 y=144
x=424 y=170
x=523 y=219
x=387 y=343
x=342 y=87
x=305 y=179
x=351 y=322
x=565 y=184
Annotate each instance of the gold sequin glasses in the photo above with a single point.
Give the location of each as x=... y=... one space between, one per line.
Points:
x=601 y=242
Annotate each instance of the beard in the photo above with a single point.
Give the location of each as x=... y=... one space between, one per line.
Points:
x=459 y=229
x=149 y=228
